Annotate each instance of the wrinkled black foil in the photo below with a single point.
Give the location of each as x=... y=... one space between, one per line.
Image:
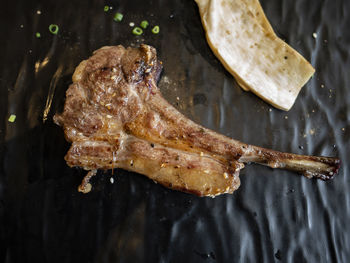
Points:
x=275 y=216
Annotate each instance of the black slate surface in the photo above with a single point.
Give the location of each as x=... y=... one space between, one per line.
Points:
x=275 y=216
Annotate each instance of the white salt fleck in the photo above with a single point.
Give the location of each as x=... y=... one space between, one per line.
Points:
x=111 y=180
x=38 y=12
x=314 y=35
x=131 y=24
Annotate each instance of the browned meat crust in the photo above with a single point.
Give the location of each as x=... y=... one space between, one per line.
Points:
x=116 y=117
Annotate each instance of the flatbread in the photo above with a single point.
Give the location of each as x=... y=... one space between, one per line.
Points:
x=243 y=40
x=255 y=7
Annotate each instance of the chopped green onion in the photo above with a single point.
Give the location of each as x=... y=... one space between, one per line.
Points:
x=12 y=118
x=155 y=30
x=144 y=24
x=118 y=17
x=37 y=34
x=137 y=31
x=54 y=29
x=106 y=8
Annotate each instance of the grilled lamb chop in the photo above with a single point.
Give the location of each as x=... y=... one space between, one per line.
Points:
x=116 y=117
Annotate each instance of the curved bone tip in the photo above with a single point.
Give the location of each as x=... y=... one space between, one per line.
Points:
x=325 y=175
x=335 y=170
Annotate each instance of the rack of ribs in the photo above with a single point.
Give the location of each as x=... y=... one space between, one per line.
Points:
x=115 y=117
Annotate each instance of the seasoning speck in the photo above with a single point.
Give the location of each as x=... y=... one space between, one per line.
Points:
x=21 y=26
x=131 y=24
x=286 y=117
x=38 y=35
x=38 y=12
x=322 y=86
x=314 y=35
x=343 y=129
x=278 y=255
x=111 y=180
x=12 y=118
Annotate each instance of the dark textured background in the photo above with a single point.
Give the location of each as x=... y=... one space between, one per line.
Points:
x=275 y=216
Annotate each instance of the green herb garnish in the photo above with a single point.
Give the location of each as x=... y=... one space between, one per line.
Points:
x=12 y=118
x=137 y=31
x=53 y=29
x=118 y=17
x=37 y=34
x=106 y=8
x=155 y=30
x=144 y=24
